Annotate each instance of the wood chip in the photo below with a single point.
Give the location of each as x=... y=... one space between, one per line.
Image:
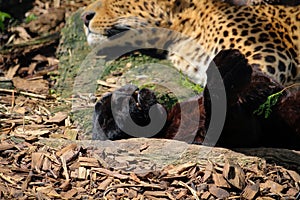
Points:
x=64 y=166
x=44 y=190
x=71 y=134
x=54 y=194
x=27 y=180
x=70 y=194
x=40 y=57
x=4 y=147
x=66 y=185
x=111 y=80
x=7 y=179
x=194 y=193
x=208 y=171
x=181 y=194
x=47 y=164
x=110 y=173
x=132 y=194
x=37 y=161
x=234 y=174
x=82 y=173
x=70 y=147
x=180 y=168
x=32 y=67
x=134 y=177
x=294 y=175
x=88 y=162
x=292 y=192
x=250 y=191
x=57 y=118
x=12 y=71
x=156 y=193
x=103 y=83
x=218 y=192
x=104 y=184
x=37 y=87
x=273 y=186
x=70 y=155
x=205 y=195
x=265 y=198
x=220 y=181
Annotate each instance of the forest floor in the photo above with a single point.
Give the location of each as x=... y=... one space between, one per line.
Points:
x=29 y=71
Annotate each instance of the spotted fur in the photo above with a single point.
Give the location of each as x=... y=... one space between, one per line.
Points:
x=268 y=35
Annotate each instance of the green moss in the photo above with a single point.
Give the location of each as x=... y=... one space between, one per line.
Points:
x=72 y=51
x=189 y=84
x=119 y=64
x=83 y=119
x=30 y=18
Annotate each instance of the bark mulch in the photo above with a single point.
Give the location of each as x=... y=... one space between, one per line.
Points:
x=34 y=171
x=31 y=170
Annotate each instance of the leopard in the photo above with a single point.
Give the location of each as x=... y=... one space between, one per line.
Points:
x=267 y=35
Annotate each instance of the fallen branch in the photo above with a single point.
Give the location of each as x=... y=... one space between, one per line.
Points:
x=35 y=41
x=24 y=93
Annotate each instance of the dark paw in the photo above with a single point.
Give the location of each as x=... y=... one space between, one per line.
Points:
x=234 y=69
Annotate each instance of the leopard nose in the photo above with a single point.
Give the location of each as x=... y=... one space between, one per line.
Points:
x=87 y=17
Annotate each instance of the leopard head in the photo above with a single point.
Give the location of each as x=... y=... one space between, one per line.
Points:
x=106 y=18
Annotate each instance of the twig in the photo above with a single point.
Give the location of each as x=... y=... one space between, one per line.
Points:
x=110 y=173
x=35 y=41
x=194 y=193
x=12 y=102
x=64 y=165
x=103 y=83
x=234 y=197
x=290 y=86
x=7 y=179
x=24 y=93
